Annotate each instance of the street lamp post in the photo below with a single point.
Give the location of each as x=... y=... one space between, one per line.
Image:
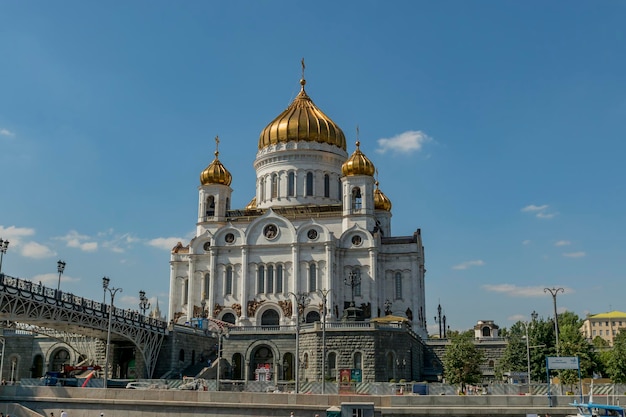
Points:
x=2 y=359
x=144 y=302
x=440 y=322
x=112 y=291
x=4 y=245
x=528 y=347
x=353 y=280
x=302 y=299
x=221 y=332
x=553 y=292
x=60 y=269
x=324 y=294
x=105 y=285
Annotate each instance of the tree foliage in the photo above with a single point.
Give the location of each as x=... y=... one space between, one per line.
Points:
x=462 y=361
x=616 y=364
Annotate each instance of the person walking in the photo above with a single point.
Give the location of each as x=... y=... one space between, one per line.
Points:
x=63 y=413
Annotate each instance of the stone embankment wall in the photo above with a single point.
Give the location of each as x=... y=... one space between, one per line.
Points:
x=89 y=402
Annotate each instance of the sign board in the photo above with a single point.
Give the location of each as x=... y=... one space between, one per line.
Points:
x=356 y=375
x=562 y=362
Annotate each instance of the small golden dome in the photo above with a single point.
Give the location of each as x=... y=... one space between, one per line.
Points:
x=216 y=172
x=358 y=164
x=381 y=201
x=252 y=204
x=302 y=121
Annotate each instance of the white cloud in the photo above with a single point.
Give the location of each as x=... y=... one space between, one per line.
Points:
x=6 y=132
x=516 y=318
x=36 y=250
x=542 y=215
x=468 y=264
x=533 y=207
x=541 y=212
x=75 y=240
x=526 y=242
x=406 y=142
x=15 y=234
x=52 y=280
x=513 y=290
x=575 y=254
x=563 y=243
x=165 y=243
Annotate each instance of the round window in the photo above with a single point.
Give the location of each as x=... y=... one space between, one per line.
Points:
x=357 y=240
x=270 y=231
x=229 y=238
x=312 y=234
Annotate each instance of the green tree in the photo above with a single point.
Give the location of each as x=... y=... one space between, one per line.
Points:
x=573 y=343
x=462 y=361
x=616 y=366
x=514 y=358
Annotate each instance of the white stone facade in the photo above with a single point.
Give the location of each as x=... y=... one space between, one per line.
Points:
x=312 y=227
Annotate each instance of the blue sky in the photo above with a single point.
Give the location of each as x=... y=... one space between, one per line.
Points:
x=496 y=127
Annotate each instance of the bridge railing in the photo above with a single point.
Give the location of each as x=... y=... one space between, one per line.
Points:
x=40 y=293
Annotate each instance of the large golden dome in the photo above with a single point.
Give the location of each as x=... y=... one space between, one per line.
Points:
x=381 y=201
x=215 y=173
x=358 y=164
x=302 y=121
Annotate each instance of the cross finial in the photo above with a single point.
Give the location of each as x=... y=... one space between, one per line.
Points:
x=303 y=67
x=217 y=145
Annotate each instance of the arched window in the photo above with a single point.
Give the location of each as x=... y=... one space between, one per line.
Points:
x=181 y=355
x=210 y=206
x=186 y=292
x=390 y=366
x=356 y=198
x=306 y=361
x=270 y=318
x=229 y=281
x=279 y=278
x=356 y=281
x=229 y=318
x=312 y=317
x=207 y=285
x=486 y=331
x=312 y=278
x=227 y=203
x=291 y=184
x=261 y=280
x=270 y=279
x=309 y=183
x=357 y=360
x=339 y=193
x=326 y=185
x=274 y=185
x=262 y=188
x=332 y=365
x=398 y=285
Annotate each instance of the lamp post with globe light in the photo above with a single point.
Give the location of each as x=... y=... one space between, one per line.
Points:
x=112 y=291
x=302 y=300
x=4 y=245
x=60 y=269
x=144 y=302
x=324 y=294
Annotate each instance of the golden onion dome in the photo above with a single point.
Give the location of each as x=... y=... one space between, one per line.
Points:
x=358 y=164
x=215 y=173
x=252 y=204
x=302 y=121
x=381 y=201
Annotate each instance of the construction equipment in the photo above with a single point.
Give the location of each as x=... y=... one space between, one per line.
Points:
x=67 y=376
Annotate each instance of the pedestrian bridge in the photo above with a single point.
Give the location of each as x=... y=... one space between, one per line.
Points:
x=27 y=302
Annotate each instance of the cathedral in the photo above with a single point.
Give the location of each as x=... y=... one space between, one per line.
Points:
x=313 y=246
